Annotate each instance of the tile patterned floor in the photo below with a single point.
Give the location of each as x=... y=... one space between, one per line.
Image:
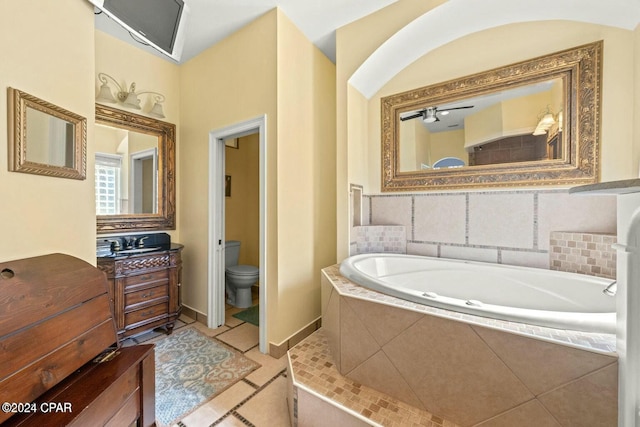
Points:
x=260 y=399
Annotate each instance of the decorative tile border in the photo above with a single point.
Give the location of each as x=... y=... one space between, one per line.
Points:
x=600 y=343
x=381 y=238
x=585 y=253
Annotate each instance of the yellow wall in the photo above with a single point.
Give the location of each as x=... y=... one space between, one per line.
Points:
x=242 y=209
x=220 y=87
x=306 y=178
x=423 y=148
x=448 y=144
x=354 y=43
x=45 y=56
x=267 y=67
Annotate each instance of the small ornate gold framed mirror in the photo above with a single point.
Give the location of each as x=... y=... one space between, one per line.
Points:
x=45 y=139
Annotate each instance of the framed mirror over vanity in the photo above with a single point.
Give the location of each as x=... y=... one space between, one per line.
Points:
x=532 y=123
x=135 y=172
x=135 y=201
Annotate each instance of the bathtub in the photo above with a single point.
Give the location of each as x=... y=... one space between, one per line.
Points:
x=520 y=294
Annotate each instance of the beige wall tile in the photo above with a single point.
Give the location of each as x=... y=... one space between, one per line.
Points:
x=540 y=365
x=440 y=218
x=325 y=292
x=331 y=327
x=392 y=210
x=315 y=412
x=423 y=249
x=382 y=321
x=381 y=238
x=589 y=401
x=356 y=343
x=530 y=414
x=585 y=253
x=525 y=259
x=564 y=212
x=366 y=211
x=501 y=219
x=456 y=375
x=468 y=253
x=379 y=373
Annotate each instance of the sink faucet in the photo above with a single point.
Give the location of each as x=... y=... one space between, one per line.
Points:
x=611 y=289
x=115 y=245
x=140 y=242
x=128 y=242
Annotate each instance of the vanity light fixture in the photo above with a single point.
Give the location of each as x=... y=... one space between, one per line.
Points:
x=546 y=122
x=128 y=98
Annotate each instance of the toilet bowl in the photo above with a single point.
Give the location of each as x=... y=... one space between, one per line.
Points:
x=238 y=278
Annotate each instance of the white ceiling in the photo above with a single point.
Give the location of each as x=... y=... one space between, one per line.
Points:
x=455 y=19
x=210 y=21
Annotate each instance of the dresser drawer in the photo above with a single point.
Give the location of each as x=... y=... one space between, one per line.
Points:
x=145 y=279
x=145 y=313
x=145 y=295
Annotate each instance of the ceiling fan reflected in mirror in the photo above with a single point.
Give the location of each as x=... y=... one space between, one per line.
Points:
x=430 y=114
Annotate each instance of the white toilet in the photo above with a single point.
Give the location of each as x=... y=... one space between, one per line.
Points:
x=239 y=278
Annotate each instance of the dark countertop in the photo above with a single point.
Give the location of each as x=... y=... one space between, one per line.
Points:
x=138 y=251
x=624 y=186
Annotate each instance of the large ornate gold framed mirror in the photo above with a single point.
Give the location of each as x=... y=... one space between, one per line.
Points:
x=45 y=139
x=135 y=172
x=531 y=123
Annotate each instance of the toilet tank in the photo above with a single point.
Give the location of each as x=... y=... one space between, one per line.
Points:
x=231 y=253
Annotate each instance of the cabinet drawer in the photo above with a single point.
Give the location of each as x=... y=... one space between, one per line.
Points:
x=144 y=295
x=142 y=279
x=146 y=313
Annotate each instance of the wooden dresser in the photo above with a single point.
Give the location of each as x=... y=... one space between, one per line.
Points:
x=144 y=289
x=60 y=359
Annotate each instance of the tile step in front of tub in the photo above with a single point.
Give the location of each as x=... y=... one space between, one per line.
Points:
x=320 y=396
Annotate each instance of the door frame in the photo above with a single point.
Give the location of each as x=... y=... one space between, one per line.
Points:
x=135 y=180
x=216 y=277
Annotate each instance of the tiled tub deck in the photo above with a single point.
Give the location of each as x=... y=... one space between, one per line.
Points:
x=452 y=368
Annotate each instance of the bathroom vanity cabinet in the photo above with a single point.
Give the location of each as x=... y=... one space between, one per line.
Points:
x=144 y=289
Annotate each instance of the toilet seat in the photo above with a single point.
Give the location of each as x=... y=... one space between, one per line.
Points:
x=243 y=270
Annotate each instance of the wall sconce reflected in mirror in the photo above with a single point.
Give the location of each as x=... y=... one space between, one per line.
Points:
x=128 y=98
x=548 y=120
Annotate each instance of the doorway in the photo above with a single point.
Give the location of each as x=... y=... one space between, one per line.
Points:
x=143 y=183
x=217 y=192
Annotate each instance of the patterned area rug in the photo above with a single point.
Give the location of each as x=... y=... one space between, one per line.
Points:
x=192 y=368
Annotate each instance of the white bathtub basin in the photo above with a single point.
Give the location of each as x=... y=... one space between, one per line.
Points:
x=520 y=294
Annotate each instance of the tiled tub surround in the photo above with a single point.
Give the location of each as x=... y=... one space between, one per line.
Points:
x=503 y=226
x=585 y=253
x=468 y=369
